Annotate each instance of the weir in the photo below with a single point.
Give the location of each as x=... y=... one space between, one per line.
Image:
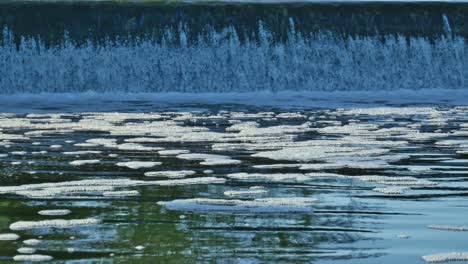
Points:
x=75 y=47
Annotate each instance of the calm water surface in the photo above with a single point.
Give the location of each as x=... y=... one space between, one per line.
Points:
x=350 y=160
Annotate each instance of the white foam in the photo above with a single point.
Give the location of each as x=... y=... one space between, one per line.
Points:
x=191 y=181
x=32 y=258
x=446 y=257
x=32 y=242
x=305 y=154
x=252 y=191
x=83 y=152
x=266 y=205
x=26 y=250
x=136 y=147
x=390 y=190
x=138 y=164
x=84 y=162
x=449 y=228
x=277 y=166
x=209 y=159
x=170 y=174
x=9 y=237
x=277 y=177
x=121 y=193
x=55 y=223
x=55 y=212
x=173 y=152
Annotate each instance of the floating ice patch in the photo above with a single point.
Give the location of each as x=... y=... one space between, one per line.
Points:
x=170 y=174
x=266 y=205
x=449 y=228
x=138 y=164
x=55 y=212
x=56 y=146
x=84 y=162
x=32 y=258
x=209 y=159
x=9 y=237
x=446 y=257
x=55 y=223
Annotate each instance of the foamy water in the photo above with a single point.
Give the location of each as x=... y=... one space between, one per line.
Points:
x=364 y=185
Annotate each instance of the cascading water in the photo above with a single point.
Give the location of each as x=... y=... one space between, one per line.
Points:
x=222 y=63
x=201 y=58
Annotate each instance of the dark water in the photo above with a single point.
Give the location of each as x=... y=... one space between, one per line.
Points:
x=101 y=21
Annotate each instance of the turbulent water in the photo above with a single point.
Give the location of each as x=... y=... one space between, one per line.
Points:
x=219 y=62
x=133 y=49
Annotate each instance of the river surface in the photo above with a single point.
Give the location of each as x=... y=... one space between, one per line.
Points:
x=230 y=183
x=221 y=132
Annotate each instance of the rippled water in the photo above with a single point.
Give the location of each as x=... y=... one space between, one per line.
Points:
x=354 y=185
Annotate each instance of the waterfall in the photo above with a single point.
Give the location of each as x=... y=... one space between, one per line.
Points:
x=220 y=62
